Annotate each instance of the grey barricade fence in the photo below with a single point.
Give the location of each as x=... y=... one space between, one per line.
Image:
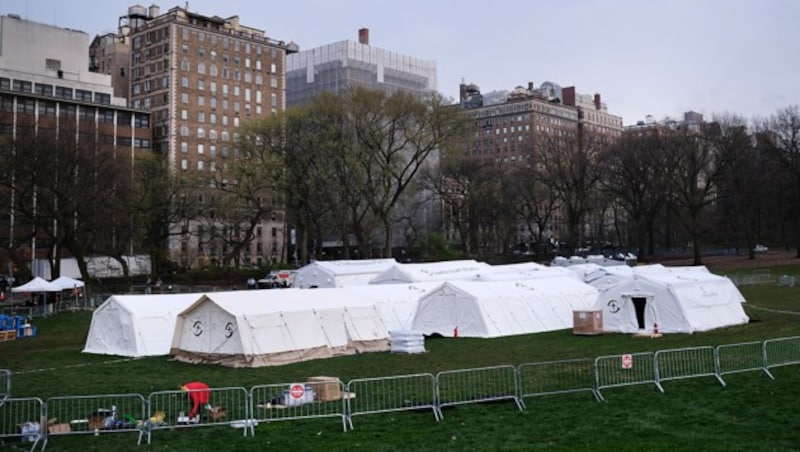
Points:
x=95 y=414
x=387 y=394
x=557 y=377
x=299 y=400
x=691 y=362
x=216 y=406
x=782 y=352
x=5 y=384
x=21 y=420
x=739 y=358
x=613 y=371
x=486 y=384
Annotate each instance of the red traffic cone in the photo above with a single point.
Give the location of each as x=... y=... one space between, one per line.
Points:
x=455 y=332
x=655 y=328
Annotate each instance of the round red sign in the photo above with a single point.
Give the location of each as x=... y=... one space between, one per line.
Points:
x=297 y=391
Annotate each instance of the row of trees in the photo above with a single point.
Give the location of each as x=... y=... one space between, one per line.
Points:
x=372 y=170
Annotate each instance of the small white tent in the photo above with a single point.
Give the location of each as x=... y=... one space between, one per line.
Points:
x=136 y=325
x=431 y=271
x=676 y=299
x=339 y=273
x=274 y=327
x=502 y=308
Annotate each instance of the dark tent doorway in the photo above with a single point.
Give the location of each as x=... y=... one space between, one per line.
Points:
x=639 y=304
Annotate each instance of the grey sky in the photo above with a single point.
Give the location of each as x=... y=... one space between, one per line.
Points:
x=643 y=57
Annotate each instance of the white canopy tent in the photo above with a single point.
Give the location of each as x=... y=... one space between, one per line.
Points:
x=431 y=272
x=67 y=283
x=340 y=273
x=274 y=327
x=502 y=308
x=676 y=299
x=136 y=325
x=37 y=284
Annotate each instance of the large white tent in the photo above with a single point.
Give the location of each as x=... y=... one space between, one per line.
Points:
x=136 y=325
x=37 y=284
x=396 y=303
x=431 y=271
x=340 y=273
x=502 y=308
x=274 y=327
x=526 y=270
x=669 y=299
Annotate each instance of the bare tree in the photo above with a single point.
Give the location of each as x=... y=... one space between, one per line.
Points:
x=570 y=169
x=635 y=177
x=782 y=142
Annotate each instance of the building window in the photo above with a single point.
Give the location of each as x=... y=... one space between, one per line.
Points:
x=43 y=90
x=23 y=86
x=201 y=116
x=184 y=98
x=201 y=68
x=5 y=83
x=102 y=98
x=185 y=81
x=185 y=114
x=184 y=164
x=81 y=94
x=184 y=147
x=200 y=165
x=185 y=65
x=200 y=148
x=47 y=108
x=201 y=133
x=201 y=85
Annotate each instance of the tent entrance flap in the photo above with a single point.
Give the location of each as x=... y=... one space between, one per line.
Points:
x=640 y=305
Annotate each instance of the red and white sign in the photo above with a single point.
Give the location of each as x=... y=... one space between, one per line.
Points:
x=297 y=391
x=627 y=361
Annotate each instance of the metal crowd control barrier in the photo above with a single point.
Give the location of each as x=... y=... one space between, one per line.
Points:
x=300 y=400
x=217 y=406
x=739 y=358
x=557 y=377
x=387 y=394
x=94 y=414
x=5 y=384
x=22 y=420
x=486 y=384
x=682 y=363
x=782 y=352
x=613 y=371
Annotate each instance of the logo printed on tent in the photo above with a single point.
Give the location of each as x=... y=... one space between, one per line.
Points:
x=197 y=328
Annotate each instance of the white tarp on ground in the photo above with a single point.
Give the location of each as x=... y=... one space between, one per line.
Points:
x=431 y=271
x=677 y=299
x=136 y=325
x=502 y=308
x=340 y=273
x=273 y=327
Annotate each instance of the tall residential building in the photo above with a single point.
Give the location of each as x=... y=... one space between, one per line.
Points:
x=46 y=87
x=201 y=77
x=341 y=65
x=511 y=132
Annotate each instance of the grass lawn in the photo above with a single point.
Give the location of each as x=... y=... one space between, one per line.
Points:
x=751 y=413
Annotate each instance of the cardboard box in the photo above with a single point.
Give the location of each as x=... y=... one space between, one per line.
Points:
x=61 y=427
x=326 y=388
x=8 y=335
x=587 y=322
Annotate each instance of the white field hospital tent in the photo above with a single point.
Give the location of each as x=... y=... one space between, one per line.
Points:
x=274 y=327
x=396 y=303
x=528 y=270
x=431 y=271
x=676 y=299
x=136 y=325
x=502 y=308
x=339 y=273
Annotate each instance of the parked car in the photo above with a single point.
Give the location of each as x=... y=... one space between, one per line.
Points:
x=761 y=248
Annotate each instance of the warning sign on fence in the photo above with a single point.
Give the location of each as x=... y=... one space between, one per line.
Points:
x=297 y=391
x=627 y=361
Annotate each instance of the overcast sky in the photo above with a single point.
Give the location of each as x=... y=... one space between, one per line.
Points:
x=644 y=57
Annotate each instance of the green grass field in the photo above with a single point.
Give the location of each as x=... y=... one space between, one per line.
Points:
x=751 y=413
